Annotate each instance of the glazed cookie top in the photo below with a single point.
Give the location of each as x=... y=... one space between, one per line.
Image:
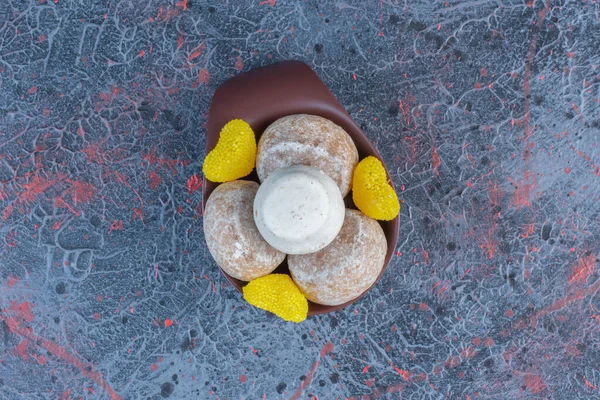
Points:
x=299 y=210
x=308 y=140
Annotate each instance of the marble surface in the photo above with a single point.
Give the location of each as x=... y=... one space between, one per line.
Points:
x=486 y=113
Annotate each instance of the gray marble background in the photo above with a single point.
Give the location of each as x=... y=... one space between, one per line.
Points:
x=486 y=113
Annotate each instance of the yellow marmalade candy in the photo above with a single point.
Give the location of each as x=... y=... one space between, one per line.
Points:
x=234 y=155
x=371 y=192
x=278 y=294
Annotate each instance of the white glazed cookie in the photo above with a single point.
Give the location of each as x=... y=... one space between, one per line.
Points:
x=347 y=267
x=299 y=210
x=231 y=234
x=308 y=140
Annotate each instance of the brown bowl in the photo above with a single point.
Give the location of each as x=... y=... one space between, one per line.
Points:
x=266 y=94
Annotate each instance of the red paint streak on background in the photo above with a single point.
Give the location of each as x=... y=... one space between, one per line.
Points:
x=83 y=192
x=406 y=113
x=488 y=242
x=59 y=200
x=562 y=303
x=7 y=211
x=239 y=63
x=203 y=76
x=528 y=231
x=41 y=360
x=180 y=41
x=34 y=187
x=413 y=148
x=405 y=374
x=137 y=211
x=534 y=383
x=588 y=384
x=435 y=161
x=197 y=52
x=572 y=350
x=117 y=225
x=523 y=191
x=22 y=310
x=582 y=269
x=327 y=348
x=66 y=395
x=495 y=193
x=193 y=183
x=22 y=313
x=183 y=4
x=453 y=362
x=198 y=208
x=588 y=159
x=12 y=238
x=93 y=153
x=165 y=14
x=425 y=255
x=395 y=388
x=159 y=161
x=21 y=349
x=154 y=180
x=85 y=368
x=109 y=97
x=576 y=109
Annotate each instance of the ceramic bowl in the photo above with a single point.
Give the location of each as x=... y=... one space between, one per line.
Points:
x=266 y=94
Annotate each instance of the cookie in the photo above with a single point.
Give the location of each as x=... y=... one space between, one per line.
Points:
x=232 y=236
x=347 y=267
x=308 y=140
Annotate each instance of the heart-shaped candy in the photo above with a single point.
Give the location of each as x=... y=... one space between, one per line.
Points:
x=278 y=294
x=234 y=155
x=372 y=193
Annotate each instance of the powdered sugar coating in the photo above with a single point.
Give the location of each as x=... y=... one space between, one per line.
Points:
x=308 y=140
x=345 y=268
x=231 y=234
x=299 y=210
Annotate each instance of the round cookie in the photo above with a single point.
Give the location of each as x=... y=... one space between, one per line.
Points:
x=347 y=267
x=308 y=140
x=231 y=234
